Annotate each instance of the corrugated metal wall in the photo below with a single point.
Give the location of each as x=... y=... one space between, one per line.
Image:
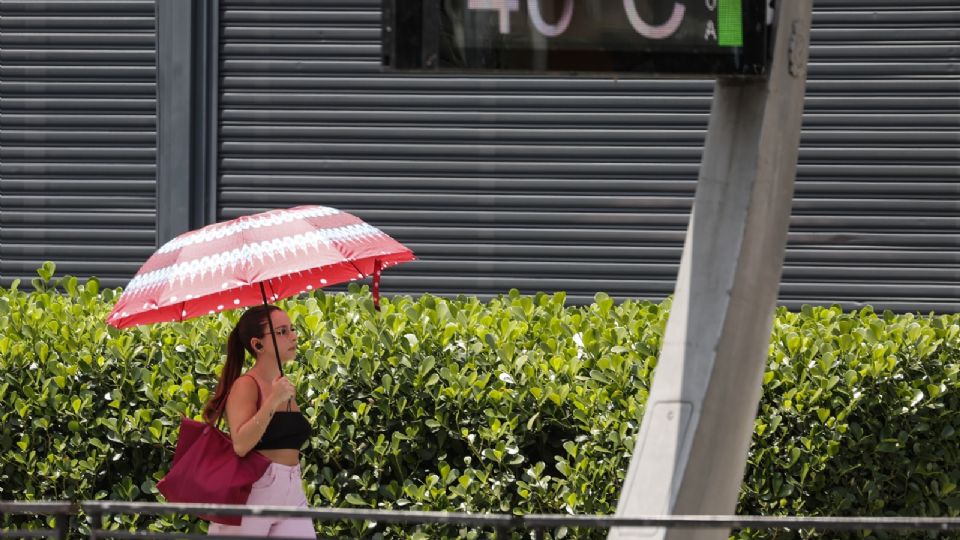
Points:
x=541 y=184
x=585 y=185
x=77 y=137
x=876 y=217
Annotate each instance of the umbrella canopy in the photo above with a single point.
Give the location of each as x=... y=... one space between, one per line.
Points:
x=254 y=259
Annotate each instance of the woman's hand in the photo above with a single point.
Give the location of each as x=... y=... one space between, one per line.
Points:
x=281 y=391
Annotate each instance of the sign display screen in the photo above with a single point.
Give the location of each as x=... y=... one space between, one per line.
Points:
x=642 y=37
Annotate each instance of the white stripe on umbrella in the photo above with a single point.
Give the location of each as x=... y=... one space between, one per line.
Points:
x=269 y=219
x=221 y=262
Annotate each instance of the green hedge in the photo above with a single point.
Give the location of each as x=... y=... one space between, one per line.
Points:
x=519 y=404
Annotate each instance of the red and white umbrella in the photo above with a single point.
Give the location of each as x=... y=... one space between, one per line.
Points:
x=252 y=260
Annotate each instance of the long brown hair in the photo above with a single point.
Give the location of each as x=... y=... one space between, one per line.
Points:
x=252 y=323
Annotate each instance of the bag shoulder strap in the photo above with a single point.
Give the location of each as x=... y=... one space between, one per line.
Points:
x=224 y=407
x=256 y=382
x=260 y=392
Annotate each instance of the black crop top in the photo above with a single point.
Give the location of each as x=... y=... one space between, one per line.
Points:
x=286 y=430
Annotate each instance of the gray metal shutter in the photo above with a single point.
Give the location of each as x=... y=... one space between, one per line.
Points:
x=77 y=138
x=876 y=218
x=585 y=185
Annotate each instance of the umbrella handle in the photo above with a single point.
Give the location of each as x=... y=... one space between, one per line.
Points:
x=273 y=335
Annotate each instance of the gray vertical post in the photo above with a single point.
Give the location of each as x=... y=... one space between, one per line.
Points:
x=62 y=525
x=692 y=449
x=187 y=70
x=95 y=519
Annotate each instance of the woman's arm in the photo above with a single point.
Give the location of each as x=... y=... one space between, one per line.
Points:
x=247 y=423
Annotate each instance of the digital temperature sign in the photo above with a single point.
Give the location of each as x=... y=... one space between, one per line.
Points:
x=641 y=37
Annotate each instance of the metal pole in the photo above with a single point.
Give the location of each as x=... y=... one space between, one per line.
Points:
x=62 y=525
x=95 y=519
x=273 y=336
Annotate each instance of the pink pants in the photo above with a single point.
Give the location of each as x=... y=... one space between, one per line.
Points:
x=280 y=485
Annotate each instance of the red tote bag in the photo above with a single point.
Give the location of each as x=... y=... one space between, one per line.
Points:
x=205 y=469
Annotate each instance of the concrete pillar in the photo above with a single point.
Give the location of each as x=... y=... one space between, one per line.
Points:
x=697 y=426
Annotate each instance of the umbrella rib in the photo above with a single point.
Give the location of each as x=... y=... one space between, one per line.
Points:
x=360 y=273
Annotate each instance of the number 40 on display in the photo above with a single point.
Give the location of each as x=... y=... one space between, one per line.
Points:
x=642 y=27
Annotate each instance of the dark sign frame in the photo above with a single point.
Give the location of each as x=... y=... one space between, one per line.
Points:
x=416 y=39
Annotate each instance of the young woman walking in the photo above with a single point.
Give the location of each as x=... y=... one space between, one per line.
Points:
x=263 y=416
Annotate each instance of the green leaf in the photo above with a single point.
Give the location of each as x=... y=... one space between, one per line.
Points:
x=328 y=493
x=916 y=398
x=355 y=500
x=887 y=447
x=794 y=455
x=793 y=343
x=47 y=270
x=833 y=448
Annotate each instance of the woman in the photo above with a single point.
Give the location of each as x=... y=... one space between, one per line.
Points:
x=263 y=416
